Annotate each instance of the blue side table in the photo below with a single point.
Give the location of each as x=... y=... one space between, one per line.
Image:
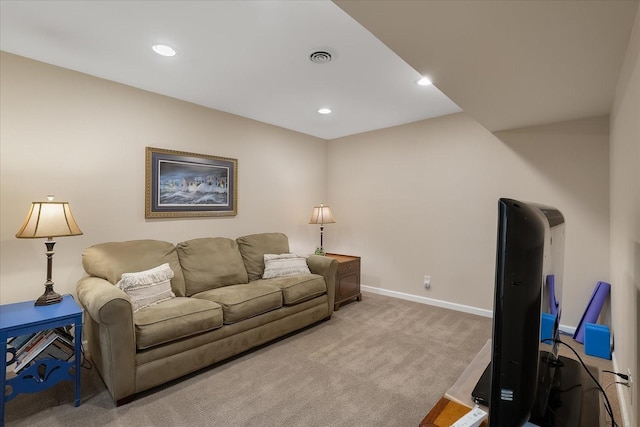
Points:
x=25 y=318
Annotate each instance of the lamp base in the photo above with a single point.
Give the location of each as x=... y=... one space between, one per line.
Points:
x=49 y=297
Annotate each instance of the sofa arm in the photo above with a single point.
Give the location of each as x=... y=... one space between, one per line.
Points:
x=326 y=267
x=111 y=337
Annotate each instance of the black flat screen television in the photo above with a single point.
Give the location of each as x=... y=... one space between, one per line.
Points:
x=524 y=371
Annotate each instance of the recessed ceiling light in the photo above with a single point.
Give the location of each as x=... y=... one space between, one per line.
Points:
x=324 y=111
x=424 y=82
x=163 y=50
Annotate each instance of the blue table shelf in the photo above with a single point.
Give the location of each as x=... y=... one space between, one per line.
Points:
x=25 y=318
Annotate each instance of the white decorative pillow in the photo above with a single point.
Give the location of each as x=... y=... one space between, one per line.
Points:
x=284 y=265
x=148 y=287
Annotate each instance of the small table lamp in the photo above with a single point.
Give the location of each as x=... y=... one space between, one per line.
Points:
x=49 y=219
x=321 y=215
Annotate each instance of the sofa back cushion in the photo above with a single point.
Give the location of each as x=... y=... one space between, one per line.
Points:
x=209 y=263
x=254 y=246
x=110 y=260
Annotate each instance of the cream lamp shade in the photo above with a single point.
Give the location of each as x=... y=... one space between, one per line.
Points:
x=321 y=215
x=48 y=220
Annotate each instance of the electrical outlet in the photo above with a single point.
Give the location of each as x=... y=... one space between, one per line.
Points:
x=427 y=282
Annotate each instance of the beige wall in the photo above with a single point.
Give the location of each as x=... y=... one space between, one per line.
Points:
x=421 y=199
x=83 y=139
x=625 y=222
x=411 y=200
x=408 y=199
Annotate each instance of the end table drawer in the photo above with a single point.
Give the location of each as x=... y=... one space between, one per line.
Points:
x=349 y=267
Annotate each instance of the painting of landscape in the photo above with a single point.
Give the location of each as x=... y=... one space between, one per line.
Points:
x=192 y=184
x=187 y=184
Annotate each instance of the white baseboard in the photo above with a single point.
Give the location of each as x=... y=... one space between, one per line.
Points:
x=429 y=301
x=626 y=421
x=567 y=329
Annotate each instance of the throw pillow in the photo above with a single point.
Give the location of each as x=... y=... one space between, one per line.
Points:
x=148 y=287
x=284 y=265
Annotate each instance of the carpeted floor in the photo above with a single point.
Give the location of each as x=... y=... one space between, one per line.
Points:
x=379 y=362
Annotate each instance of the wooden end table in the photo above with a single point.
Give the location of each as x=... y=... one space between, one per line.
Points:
x=347 y=279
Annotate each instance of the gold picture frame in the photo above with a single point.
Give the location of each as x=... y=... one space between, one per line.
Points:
x=182 y=184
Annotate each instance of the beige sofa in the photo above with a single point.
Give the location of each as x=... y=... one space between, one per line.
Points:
x=222 y=306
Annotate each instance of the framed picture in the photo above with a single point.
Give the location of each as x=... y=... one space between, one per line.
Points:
x=180 y=184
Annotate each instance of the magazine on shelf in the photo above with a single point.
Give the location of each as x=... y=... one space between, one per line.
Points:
x=54 y=344
x=66 y=334
x=19 y=341
x=24 y=350
x=27 y=343
x=57 y=350
x=27 y=356
x=15 y=345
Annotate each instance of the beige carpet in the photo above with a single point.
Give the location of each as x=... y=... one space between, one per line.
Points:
x=379 y=362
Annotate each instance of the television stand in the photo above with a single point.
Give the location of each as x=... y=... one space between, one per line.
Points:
x=591 y=401
x=565 y=397
x=565 y=400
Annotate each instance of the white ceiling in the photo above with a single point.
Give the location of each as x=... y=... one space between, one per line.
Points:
x=248 y=58
x=506 y=63
x=510 y=64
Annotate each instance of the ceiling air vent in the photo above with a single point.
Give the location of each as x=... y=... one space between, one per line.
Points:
x=320 y=57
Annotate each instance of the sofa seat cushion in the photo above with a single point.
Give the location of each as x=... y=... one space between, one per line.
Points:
x=240 y=302
x=174 y=319
x=209 y=263
x=298 y=288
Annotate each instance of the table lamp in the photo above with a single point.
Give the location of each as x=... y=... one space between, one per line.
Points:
x=48 y=220
x=321 y=215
